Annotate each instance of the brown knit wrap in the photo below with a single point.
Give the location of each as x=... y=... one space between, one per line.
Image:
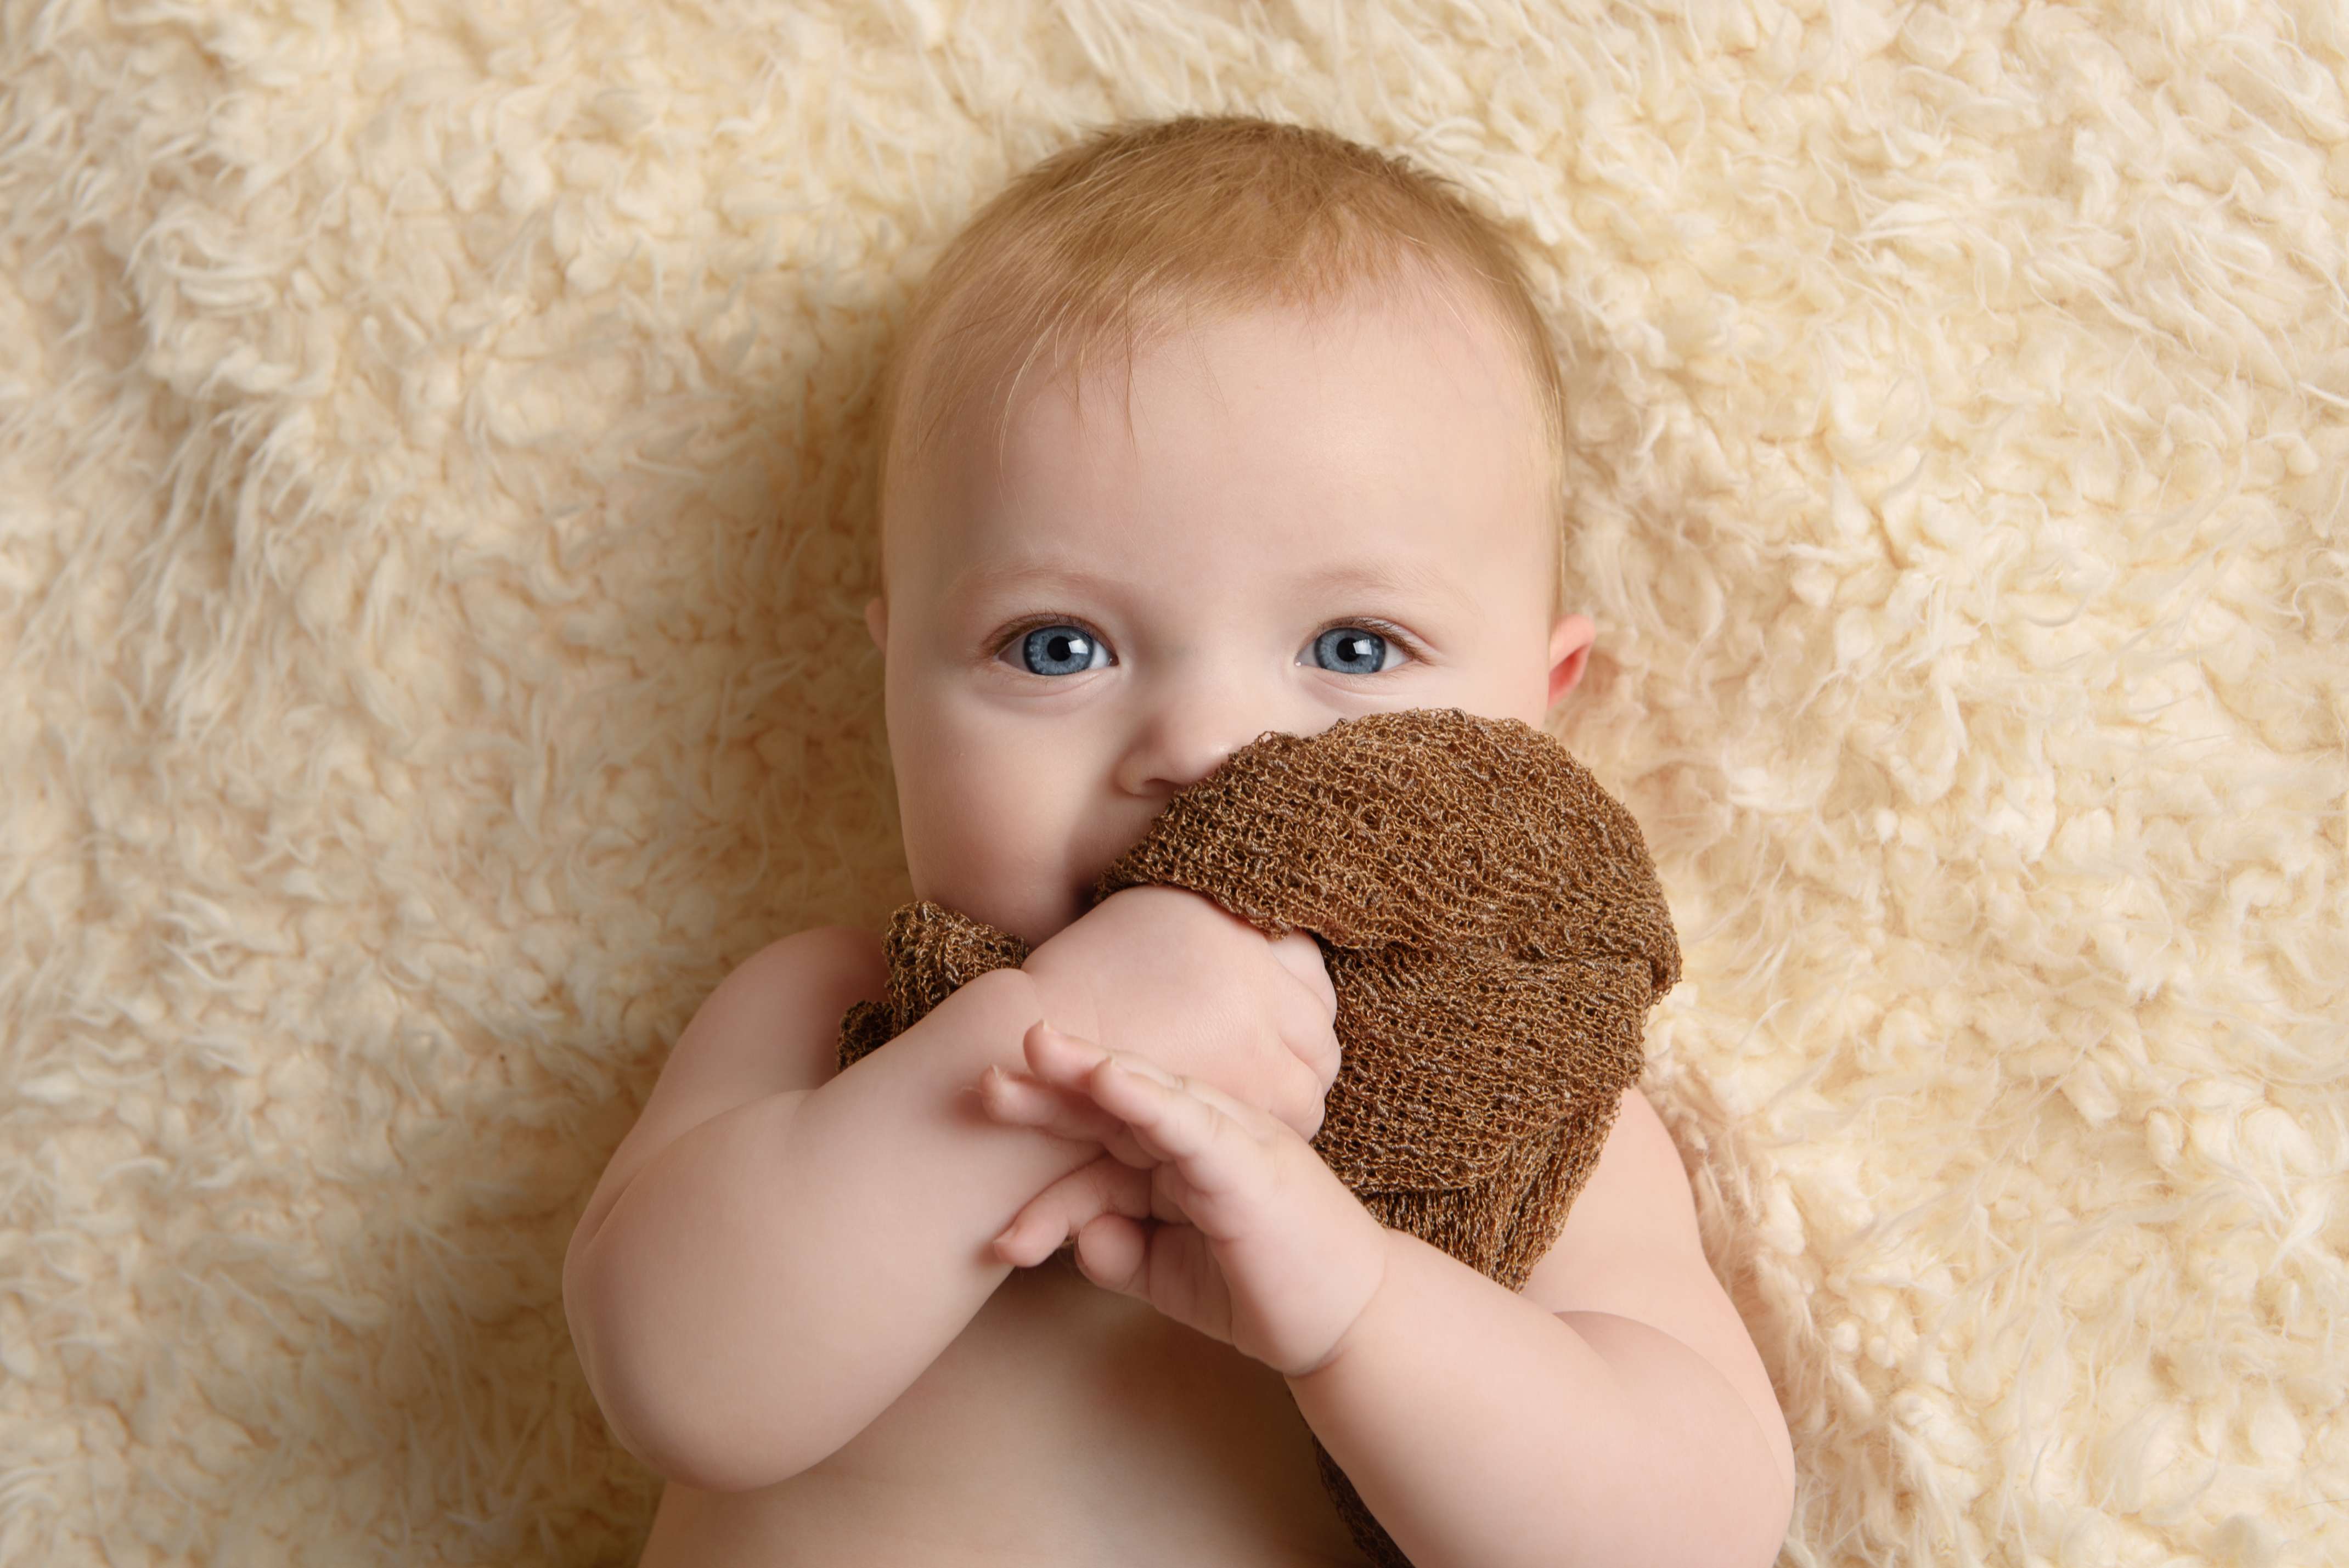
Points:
x=1493 y=925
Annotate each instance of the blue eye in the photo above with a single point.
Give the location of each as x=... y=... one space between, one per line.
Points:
x=1061 y=651
x=1351 y=651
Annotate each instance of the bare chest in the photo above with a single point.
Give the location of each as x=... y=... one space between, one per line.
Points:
x=1066 y=1424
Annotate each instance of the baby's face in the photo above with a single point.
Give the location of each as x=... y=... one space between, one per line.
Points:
x=1290 y=521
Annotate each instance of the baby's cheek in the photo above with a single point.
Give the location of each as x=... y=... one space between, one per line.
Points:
x=957 y=848
x=994 y=849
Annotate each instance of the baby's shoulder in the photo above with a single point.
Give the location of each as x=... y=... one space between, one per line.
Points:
x=772 y=1027
x=843 y=958
x=782 y=1006
x=1631 y=1249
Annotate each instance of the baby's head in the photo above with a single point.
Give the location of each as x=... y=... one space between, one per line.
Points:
x=1201 y=430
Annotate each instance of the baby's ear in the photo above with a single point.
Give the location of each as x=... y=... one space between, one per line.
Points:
x=1569 y=651
x=876 y=623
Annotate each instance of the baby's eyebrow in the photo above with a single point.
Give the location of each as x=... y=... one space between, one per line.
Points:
x=1027 y=576
x=1406 y=579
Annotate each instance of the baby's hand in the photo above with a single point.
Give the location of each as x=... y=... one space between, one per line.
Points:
x=1216 y=1213
x=1165 y=974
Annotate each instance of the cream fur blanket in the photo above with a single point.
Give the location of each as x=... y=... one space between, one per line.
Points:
x=435 y=466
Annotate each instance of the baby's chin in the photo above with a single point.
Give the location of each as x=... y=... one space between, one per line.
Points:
x=1057 y=909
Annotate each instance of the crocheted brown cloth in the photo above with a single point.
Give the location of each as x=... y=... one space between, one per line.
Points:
x=1494 y=928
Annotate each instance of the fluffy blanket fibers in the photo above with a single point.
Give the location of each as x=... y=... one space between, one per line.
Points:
x=435 y=478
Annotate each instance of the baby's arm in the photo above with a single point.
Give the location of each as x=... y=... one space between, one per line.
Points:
x=1616 y=1412
x=778 y=1251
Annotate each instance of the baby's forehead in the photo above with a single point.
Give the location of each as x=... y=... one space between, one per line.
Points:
x=1096 y=366
x=1407 y=412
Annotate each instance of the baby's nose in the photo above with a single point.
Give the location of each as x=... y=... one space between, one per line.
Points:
x=1187 y=730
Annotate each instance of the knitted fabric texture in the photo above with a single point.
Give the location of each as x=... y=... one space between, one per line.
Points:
x=1495 y=932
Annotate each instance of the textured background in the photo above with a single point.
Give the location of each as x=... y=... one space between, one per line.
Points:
x=435 y=469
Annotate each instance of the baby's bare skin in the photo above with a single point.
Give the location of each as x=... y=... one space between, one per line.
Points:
x=1053 y=1389
x=792 y=1290
x=1057 y=1395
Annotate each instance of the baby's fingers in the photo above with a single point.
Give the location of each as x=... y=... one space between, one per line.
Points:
x=1212 y=1141
x=1068 y=1205
x=1013 y=1100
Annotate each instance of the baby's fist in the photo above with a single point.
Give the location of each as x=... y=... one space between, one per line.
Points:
x=1165 y=974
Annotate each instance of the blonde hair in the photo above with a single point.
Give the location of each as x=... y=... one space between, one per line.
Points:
x=1141 y=229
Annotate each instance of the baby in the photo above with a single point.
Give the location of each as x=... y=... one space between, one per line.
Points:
x=1201 y=430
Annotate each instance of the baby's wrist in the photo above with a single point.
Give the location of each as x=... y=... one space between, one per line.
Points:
x=1369 y=1268
x=984 y=1023
x=1064 y=1000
